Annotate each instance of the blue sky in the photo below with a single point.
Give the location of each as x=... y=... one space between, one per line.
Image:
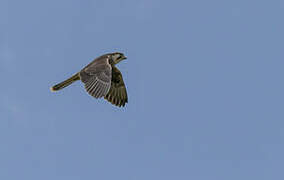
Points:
x=204 y=80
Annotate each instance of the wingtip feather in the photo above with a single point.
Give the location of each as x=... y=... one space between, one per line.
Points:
x=52 y=89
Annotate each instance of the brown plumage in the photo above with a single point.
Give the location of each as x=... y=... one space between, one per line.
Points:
x=101 y=79
x=117 y=94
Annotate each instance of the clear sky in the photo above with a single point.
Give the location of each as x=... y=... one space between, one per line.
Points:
x=204 y=81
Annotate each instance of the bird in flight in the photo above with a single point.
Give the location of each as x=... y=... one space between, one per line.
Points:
x=101 y=79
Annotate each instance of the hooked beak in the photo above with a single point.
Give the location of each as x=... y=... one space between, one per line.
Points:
x=124 y=57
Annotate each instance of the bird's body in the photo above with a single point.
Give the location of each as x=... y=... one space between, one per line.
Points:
x=101 y=79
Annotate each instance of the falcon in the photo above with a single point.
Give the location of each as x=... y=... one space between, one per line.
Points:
x=101 y=79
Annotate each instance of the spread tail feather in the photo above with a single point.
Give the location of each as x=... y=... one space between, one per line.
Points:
x=65 y=83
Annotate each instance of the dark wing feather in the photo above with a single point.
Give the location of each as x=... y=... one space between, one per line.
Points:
x=97 y=77
x=117 y=94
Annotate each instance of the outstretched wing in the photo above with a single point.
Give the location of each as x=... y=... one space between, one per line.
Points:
x=97 y=77
x=117 y=94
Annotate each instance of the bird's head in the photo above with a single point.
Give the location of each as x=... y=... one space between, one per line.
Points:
x=117 y=57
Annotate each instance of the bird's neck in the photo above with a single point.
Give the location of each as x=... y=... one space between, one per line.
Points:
x=111 y=62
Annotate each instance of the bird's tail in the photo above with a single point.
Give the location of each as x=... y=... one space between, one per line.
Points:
x=65 y=83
